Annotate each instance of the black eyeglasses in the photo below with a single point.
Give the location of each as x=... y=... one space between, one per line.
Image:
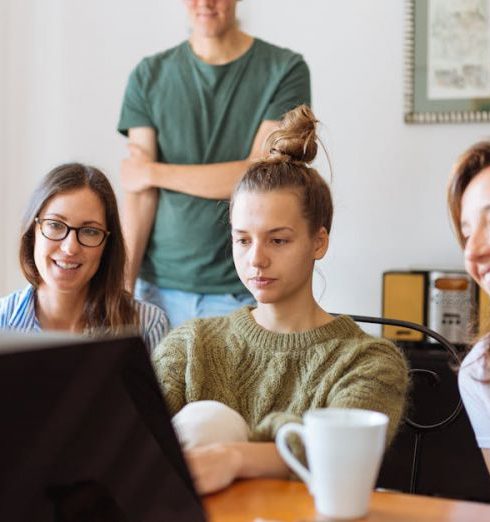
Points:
x=57 y=231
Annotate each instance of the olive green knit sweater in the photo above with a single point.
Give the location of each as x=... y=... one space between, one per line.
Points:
x=272 y=378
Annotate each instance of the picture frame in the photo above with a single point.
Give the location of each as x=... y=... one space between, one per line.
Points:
x=447 y=61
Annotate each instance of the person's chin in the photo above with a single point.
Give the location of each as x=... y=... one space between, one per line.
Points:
x=211 y=29
x=207 y=29
x=65 y=284
x=264 y=296
x=66 y=288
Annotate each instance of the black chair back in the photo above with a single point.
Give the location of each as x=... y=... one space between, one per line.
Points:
x=435 y=451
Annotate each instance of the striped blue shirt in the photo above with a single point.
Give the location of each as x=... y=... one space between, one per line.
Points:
x=17 y=312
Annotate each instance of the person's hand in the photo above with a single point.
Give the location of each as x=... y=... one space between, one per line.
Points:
x=135 y=170
x=213 y=467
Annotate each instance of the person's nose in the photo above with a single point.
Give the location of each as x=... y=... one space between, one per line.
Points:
x=258 y=256
x=477 y=245
x=70 y=244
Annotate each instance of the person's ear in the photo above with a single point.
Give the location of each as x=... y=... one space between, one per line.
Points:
x=321 y=243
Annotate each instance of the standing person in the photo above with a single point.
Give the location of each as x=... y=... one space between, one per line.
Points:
x=196 y=115
x=469 y=205
x=72 y=254
x=272 y=363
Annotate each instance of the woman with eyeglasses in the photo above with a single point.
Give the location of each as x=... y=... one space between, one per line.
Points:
x=72 y=254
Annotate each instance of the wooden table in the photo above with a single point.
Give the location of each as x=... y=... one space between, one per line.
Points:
x=288 y=501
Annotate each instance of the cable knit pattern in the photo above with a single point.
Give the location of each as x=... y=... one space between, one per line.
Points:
x=272 y=378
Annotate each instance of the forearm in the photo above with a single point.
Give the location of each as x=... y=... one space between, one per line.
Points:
x=211 y=181
x=216 y=466
x=137 y=221
x=259 y=459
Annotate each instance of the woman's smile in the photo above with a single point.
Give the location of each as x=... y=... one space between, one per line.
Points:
x=66 y=265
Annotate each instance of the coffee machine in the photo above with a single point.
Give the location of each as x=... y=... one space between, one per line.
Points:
x=444 y=301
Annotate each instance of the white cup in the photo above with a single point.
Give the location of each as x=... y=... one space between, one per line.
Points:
x=344 y=448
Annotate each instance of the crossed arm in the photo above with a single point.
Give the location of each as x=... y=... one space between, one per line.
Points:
x=142 y=175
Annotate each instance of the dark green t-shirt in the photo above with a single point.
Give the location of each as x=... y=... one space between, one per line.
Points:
x=205 y=114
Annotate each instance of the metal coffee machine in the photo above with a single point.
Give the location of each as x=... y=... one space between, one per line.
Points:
x=451 y=305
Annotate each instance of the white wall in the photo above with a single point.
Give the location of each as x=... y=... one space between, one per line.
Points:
x=3 y=148
x=66 y=68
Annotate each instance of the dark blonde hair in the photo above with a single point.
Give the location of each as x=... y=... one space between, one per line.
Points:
x=109 y=307
x=290 y=150
x=468 y=165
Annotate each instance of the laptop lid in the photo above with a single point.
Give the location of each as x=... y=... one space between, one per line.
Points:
x=85 y=435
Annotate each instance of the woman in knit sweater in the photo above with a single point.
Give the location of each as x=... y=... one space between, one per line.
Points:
x=276 y=361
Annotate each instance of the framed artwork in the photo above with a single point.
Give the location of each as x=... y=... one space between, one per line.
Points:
x=447 y=61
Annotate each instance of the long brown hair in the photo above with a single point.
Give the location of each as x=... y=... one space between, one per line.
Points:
x=291 y=148
x=109 y=306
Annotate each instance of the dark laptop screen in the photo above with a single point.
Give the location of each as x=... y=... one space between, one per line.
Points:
x=85 y=436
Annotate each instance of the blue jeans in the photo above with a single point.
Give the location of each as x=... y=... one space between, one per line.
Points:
x=181 y=306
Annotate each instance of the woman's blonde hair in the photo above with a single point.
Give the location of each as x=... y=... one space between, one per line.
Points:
x=291 y=149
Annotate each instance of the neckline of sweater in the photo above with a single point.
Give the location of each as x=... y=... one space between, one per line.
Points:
x=341 y=327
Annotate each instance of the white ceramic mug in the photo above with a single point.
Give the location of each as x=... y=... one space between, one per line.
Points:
x=344 y=448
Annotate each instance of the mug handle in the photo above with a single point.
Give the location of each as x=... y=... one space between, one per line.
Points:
x=285 y=452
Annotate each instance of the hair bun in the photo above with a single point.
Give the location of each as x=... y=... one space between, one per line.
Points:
x=296 y=139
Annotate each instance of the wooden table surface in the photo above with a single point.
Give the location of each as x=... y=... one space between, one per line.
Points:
x=289 y=501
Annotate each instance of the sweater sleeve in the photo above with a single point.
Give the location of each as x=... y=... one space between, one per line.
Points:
x=170 y=364
x=377 y=379
x=267 y=430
